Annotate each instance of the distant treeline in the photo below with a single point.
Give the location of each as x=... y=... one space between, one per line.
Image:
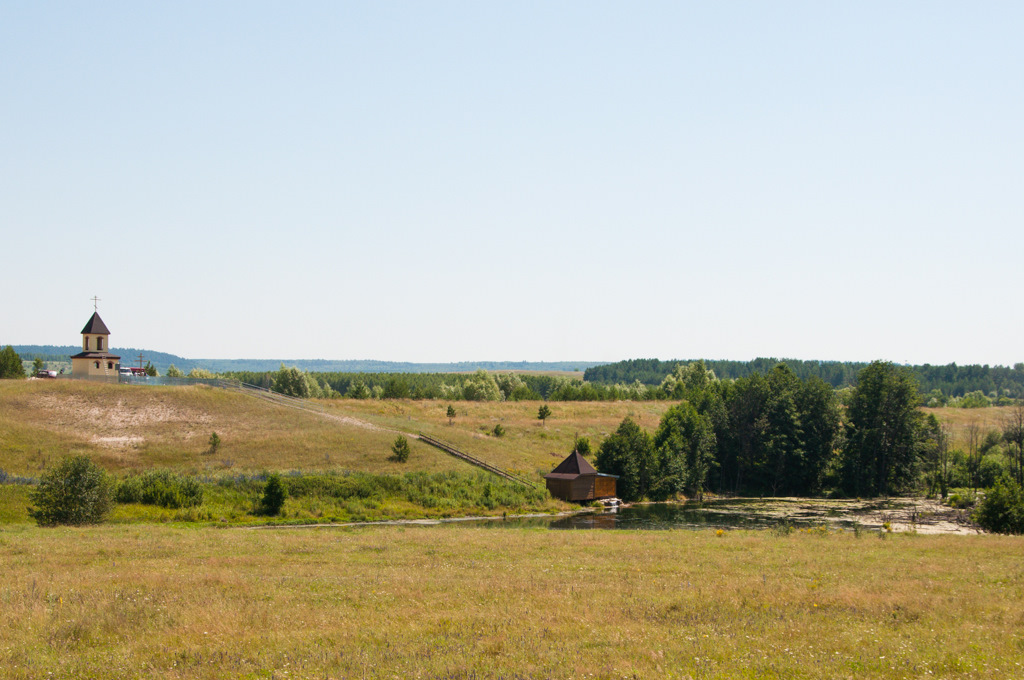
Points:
x=162 y=361
x=949 y=380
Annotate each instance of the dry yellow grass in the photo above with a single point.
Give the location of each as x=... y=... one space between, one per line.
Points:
x=455 y=602
x=991 y=418
x=126 y=427
x=528 y=444
x=136 y=427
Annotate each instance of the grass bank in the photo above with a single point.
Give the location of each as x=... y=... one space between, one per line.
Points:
x=323 y=497
x=457 y=602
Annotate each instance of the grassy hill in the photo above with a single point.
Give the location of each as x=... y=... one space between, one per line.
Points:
x=129 y=428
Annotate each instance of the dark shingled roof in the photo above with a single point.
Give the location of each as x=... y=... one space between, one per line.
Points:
x=95 y=355
x=95 y=326
x=575 y=464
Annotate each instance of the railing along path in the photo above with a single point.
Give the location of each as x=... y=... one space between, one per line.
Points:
x=306 y=405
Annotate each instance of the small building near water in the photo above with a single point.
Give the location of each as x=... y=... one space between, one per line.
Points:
x=576 y=480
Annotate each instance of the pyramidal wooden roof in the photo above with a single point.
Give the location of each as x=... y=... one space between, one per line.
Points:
x=95 y=326
x=574 y=464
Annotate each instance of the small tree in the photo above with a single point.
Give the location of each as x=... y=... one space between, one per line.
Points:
x=214 y=443
x=581 y=445
x=37 y=365
x=543 y=413
x=451 y=414
x=174 y=372
x=76 y=491
x=274 y=494
x=358 y=390
x=151 y=370
x=10 y=364
x=498 y=430
x=401 y=449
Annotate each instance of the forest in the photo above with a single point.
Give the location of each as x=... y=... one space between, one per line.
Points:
x=778 y=435
x=943 y=382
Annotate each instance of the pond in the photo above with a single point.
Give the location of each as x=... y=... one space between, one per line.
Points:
x=917 y=515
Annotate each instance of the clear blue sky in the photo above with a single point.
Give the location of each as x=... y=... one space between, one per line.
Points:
x=436 y=181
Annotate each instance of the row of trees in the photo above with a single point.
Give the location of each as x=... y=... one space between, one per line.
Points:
x=938 y=382
x=778 y=435
x=485 y=386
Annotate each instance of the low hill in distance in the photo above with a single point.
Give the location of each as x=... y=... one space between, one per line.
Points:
x=59 y=354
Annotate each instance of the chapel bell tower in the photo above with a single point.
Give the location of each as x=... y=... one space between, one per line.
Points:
x=95 y=359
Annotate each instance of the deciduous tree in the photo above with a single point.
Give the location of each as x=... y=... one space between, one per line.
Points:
x=883 y=432
x=10 y=364
x=628 y=453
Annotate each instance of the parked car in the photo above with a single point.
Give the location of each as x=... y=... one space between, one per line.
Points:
x=43 y=373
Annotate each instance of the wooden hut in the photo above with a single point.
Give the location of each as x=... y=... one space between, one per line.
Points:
x=576 y=480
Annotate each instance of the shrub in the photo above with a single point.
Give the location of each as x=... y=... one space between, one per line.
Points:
x=214 y=443
x=1002 y=509
x=76 y=491
x=273 y=496
x=162 y=488
x=401 y=449
x=498 y=430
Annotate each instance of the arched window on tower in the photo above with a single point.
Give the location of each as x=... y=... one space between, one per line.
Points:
x=86 y=343
x=99 y=344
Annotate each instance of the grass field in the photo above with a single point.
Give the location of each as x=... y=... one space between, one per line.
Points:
x=456 y=602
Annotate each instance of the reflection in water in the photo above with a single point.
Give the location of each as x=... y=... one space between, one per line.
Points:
x=724 y=514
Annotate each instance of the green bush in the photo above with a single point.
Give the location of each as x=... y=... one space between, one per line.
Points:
x=274 y=494
x=961 y=501
x=76 y=491
x=498 y=431
x=1002 y=509
x=162 y=488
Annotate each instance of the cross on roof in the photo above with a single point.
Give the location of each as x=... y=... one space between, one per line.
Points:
x=95 y=303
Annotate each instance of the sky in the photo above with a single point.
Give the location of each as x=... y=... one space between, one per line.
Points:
x=541 y=181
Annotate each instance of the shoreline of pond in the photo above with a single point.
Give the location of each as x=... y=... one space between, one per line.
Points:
x=900 y=515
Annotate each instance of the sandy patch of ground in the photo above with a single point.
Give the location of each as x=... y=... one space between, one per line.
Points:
x=120 y=424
